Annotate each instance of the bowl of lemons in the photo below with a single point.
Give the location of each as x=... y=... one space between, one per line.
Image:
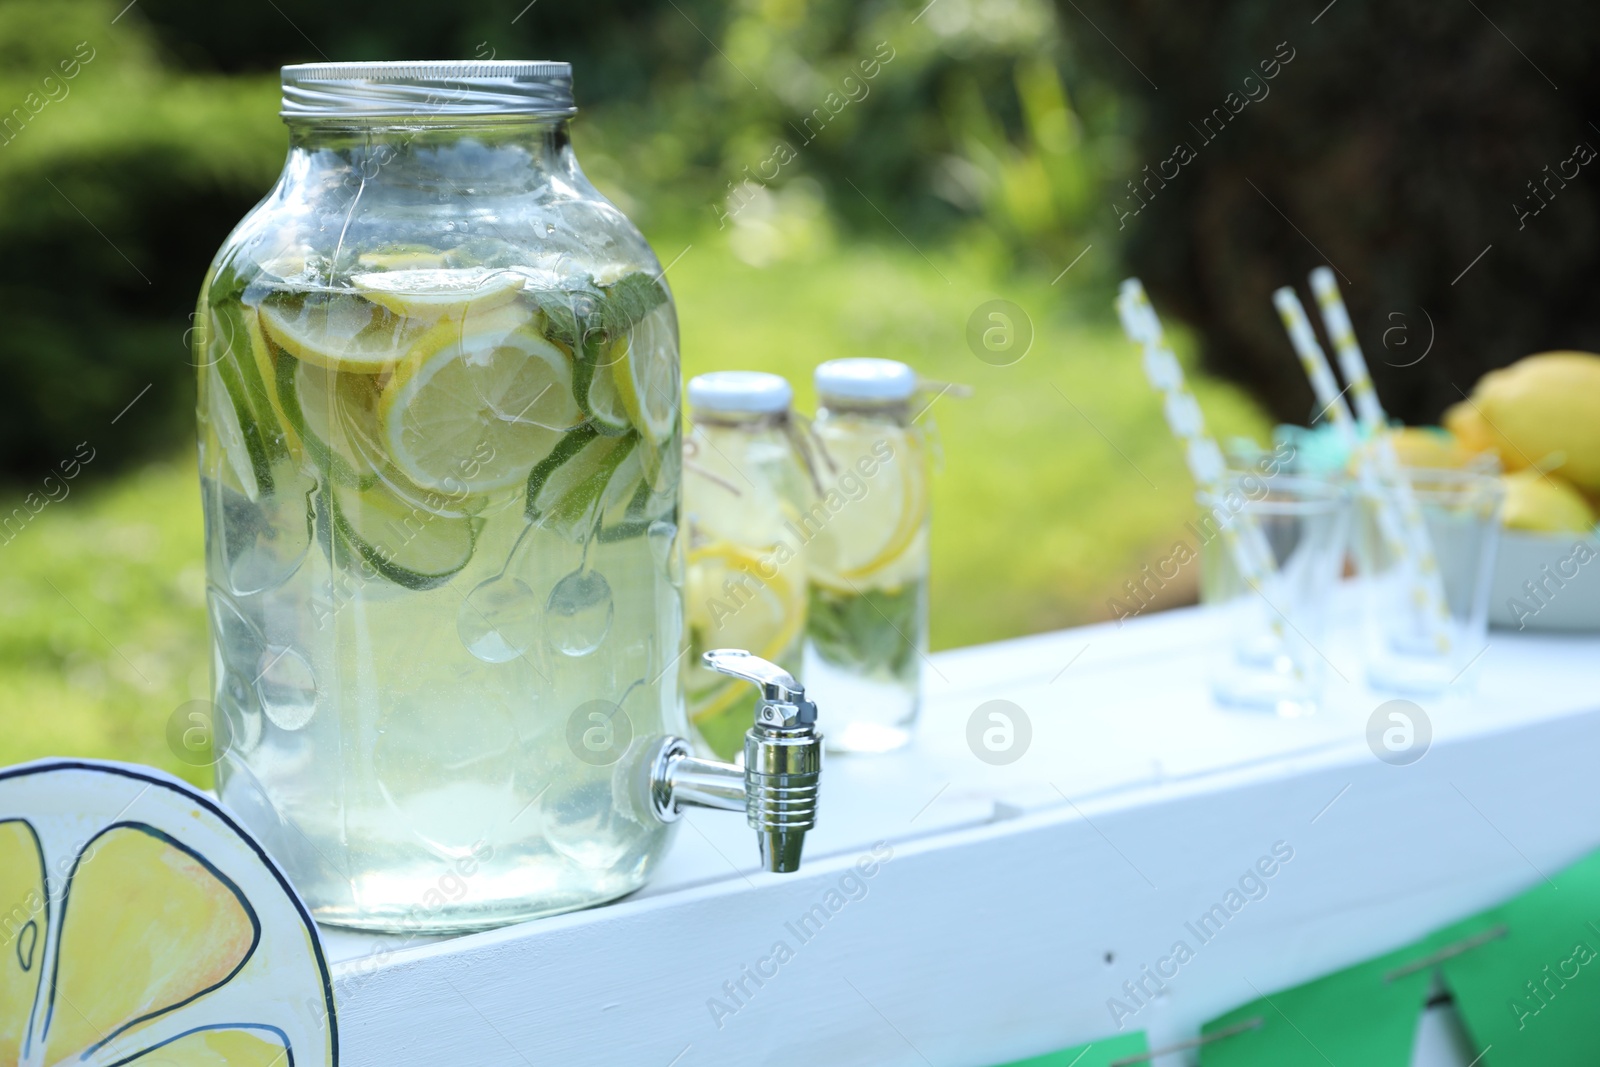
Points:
x=1540 y=418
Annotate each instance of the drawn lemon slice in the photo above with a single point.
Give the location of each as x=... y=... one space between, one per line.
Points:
x=149 y=930
x=22 y=895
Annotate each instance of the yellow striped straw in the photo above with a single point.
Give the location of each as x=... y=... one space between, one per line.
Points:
x=1315 y=363
x=1399 y=519
x=1251 y=554
x=1352 y=364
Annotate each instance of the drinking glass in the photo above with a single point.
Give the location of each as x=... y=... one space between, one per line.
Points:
x=1410 y=648
x=1275 y=626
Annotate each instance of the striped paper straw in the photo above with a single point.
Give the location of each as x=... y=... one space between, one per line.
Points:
x=1240 y=535
x=1315 y=363
x=1352 y=364
x=1399 y=519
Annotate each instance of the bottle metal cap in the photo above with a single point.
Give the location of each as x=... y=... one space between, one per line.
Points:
x=866 y=379
x=421 y=90
x=740 y=392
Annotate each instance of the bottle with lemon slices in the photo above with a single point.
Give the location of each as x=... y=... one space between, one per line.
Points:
x=746 y=486
x=867 y=555
x=440 y=458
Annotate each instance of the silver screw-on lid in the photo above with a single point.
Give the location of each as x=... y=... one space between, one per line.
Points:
x=441 y=88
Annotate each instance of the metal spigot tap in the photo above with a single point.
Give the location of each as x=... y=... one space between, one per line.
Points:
x=776 y=788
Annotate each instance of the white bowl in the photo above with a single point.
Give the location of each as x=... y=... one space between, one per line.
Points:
x=1564 y=570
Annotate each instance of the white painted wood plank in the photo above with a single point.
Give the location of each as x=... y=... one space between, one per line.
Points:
x=976 y=945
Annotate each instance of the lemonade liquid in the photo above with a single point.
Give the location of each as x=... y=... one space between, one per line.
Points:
x=746 y=483
x=440 y=494
x=867 y=615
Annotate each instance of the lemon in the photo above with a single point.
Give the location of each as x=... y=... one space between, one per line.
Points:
x=594 y=386
x=480 y=411
x=644 y=372
x=425 y=295
x=401 y=257
x=1429 y=446
x=343 y=332
x=1544 y=502
x=867 y=529
x=145 y=928
x=732 y=603
x=1544 y=411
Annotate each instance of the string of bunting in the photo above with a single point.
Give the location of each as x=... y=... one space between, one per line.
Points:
x=1522 y=977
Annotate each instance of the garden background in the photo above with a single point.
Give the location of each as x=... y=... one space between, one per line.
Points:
x=1001 y=149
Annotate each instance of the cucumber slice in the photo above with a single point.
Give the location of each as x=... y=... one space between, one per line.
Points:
x=645 y=507
x=243 y=427
x=236 y=339
x=408 y=545
x=624 y=484
x=324 y=407
x=565 y=489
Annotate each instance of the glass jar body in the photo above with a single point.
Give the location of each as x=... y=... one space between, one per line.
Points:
x=746 y=500
x=867 y=612
x=440 y=455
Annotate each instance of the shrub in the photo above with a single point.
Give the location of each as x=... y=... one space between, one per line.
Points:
x=1397 y=146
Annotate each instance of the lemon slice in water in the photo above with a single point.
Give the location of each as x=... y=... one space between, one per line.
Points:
x=644 y=371
x=335 y=416
x=732 y=603
x=481 y=410
x=425 y=295
x=595 y=388
x=343 y=332
x=858 y=542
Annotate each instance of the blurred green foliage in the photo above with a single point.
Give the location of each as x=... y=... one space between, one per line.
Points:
x=1404 y=141
x=963 y=123
x=1057 y=481
x=116 y=183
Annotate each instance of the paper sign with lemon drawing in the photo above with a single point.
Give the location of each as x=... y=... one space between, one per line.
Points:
x=139 y=925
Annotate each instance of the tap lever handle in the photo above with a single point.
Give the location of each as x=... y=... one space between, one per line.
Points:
x=783 y=700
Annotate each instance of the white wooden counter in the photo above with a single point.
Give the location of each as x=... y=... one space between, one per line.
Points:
x=1020 y=898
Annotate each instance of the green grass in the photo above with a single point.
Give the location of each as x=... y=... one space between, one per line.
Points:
x=102 y=619
x=1059 y=481
x=1059 y=477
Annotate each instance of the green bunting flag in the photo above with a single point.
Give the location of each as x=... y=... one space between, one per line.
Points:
x=1525 y=978
x=1102 y=1053
x=1363 y=1016
x=1529 y=994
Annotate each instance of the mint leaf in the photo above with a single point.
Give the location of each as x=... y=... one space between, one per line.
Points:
x=631 y=298
x=568 y=311
x=873 y=632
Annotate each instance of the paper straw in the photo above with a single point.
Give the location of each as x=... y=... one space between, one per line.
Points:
x=1352 y=364
x=1399 y=520
x=1251 y=554
x=1315 y=364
